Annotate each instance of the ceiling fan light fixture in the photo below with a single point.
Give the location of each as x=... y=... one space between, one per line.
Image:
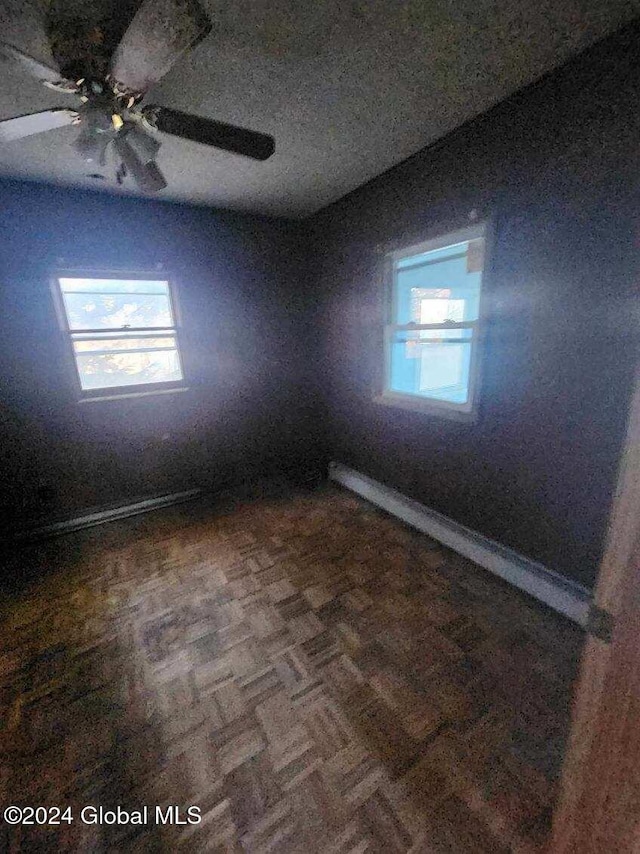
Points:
x=90 y=144
x=145 y=146
x=147 y=175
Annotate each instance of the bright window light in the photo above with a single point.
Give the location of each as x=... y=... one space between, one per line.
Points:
x=122 y=332
x=431 y=341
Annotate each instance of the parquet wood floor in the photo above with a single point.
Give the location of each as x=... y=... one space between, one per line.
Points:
x=312 y=674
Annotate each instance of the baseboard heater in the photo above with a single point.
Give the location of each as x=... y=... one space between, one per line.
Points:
x=111 y=514
x=565 y=596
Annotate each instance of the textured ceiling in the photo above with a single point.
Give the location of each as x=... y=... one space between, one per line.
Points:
x=347 y=87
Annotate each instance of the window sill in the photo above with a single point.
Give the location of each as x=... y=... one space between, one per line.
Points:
x=449 y=411
x=132 y=394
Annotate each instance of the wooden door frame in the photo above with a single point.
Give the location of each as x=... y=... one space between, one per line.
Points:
x=599 y=807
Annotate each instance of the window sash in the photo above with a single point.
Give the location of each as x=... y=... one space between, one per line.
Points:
x=419 y=399
x=392 y=329
x=118 y=311
x=447 y=324
x=121 y=329
x=167 y=342
x=117 y=333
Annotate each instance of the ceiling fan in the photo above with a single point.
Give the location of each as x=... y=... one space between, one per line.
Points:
x=111 y=80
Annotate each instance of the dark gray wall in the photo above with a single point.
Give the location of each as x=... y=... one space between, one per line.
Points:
x=558 y=167
x=249 y=410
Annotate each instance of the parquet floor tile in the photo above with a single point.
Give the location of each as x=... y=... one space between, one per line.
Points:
x=310 y=673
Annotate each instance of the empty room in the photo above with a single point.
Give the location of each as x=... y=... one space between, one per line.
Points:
x=320 y=426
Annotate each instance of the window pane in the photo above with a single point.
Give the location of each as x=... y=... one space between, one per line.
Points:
x=108 y=303
x=107 y=370
x=115 y=311
x=432 y=368
x=452 y=275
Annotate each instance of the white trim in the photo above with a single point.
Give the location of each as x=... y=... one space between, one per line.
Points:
x=442 y=241
x=427 y=405
x=111 y=515
x=565 y=596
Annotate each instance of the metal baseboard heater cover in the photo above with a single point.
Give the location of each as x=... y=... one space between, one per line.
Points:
x=110 y=515
x=560 y=593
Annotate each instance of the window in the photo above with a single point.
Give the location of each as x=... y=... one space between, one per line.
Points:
x=122 y=333
x=431 y=339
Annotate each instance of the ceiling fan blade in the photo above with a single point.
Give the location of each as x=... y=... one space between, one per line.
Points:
x=249 y=143
x=161 y=31
x=33 y=67
x=32 y=123
x=25 y=38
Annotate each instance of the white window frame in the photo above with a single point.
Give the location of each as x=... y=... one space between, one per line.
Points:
x=458 y=411
x=133 y=389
